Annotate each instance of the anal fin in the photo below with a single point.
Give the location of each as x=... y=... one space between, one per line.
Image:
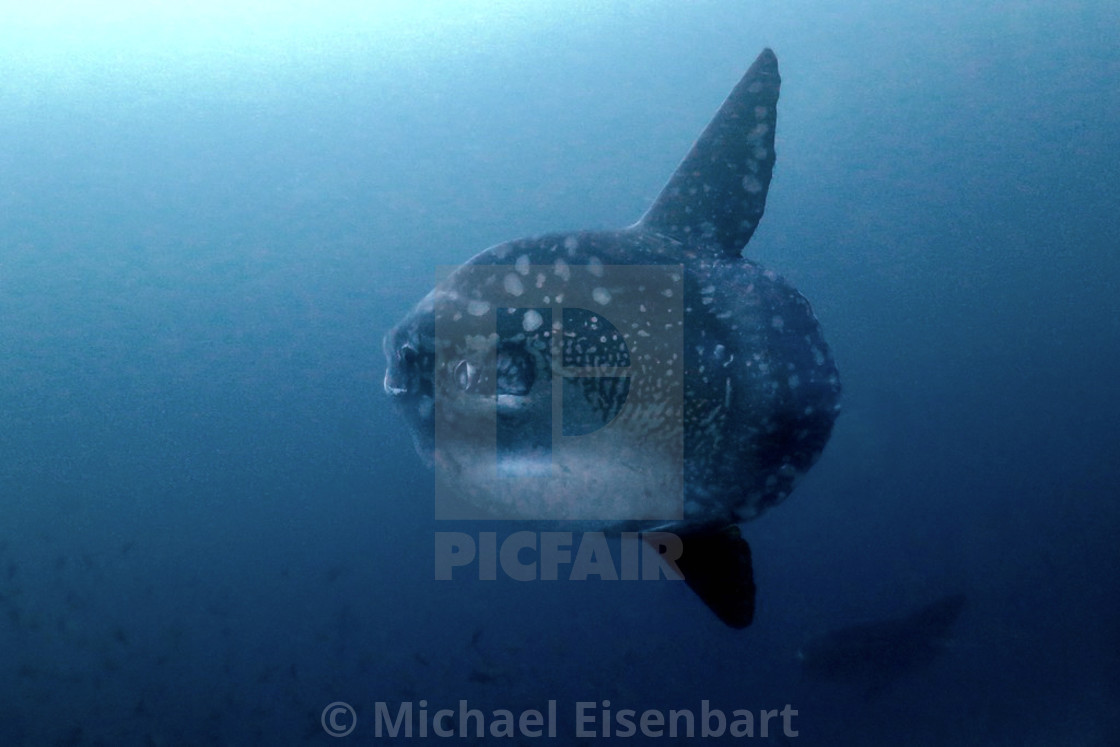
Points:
x=717 y=566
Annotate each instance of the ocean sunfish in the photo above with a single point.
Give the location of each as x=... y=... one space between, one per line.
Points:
x=644 y=378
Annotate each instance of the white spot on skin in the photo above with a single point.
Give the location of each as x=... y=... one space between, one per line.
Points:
x=751 y=184
x=760 y=130
x=777 y=322
x=513 y=285
x=522 y=264
x=794 y=381
x=562 y=270
x=602 y=296
x=532 y=320
x=595 y=267
x=477 y=308
x=571 y=243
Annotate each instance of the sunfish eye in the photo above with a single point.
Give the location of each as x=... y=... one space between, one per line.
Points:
x=466 y=375
x=515 y=370
x=406 y=353
x=402 y=374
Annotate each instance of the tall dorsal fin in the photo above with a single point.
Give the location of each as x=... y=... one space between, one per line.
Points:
x=717 y=195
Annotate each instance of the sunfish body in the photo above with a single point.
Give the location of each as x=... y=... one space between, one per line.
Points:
x=649 y=377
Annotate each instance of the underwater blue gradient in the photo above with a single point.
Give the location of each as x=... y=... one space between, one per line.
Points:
x=212 y=526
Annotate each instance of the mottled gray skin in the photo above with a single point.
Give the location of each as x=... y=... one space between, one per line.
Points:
x=760 y=390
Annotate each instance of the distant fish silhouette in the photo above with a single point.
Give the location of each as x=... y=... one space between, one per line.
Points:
x=874 y=655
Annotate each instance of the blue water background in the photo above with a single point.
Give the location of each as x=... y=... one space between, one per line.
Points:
x=212 y=525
